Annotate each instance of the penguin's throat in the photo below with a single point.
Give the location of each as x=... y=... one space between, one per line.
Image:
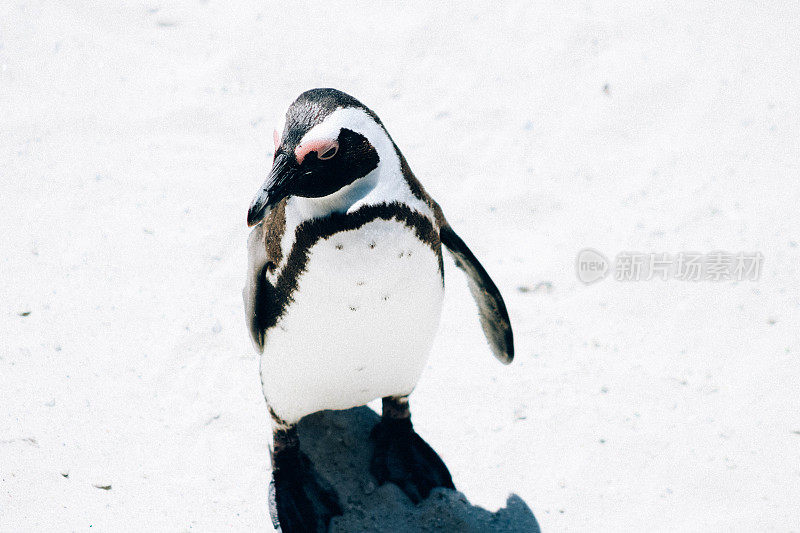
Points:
x=339 y=202
x=349 y=197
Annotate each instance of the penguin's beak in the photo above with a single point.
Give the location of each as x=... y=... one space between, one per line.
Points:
x=275 y=188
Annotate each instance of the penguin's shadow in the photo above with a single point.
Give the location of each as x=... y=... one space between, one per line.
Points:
x=338 y=444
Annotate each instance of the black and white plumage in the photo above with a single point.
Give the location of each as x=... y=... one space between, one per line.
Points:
x=344 y=293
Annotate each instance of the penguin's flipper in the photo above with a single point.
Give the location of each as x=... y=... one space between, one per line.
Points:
x=253 y=289
x=493 y=315
x=263 y=255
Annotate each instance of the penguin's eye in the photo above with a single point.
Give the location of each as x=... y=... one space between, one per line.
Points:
x=324 y=148
x=329 y=153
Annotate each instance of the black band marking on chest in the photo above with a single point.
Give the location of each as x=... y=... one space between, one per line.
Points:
x=272 y=299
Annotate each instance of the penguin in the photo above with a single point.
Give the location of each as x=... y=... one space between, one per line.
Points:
x=343 y=297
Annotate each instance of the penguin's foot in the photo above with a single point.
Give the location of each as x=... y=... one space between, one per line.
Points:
x=403 y=458
x=299 y=500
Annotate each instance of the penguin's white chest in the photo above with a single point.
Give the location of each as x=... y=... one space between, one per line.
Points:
x=360 y=324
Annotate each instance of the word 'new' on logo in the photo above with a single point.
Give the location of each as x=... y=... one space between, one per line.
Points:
x=591 y=266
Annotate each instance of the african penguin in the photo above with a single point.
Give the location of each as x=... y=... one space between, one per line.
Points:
x=344 y=293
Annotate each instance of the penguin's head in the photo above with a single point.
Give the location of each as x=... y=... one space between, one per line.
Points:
x=330 y=140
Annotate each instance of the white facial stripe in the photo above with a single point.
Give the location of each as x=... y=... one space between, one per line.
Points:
x=357 y=120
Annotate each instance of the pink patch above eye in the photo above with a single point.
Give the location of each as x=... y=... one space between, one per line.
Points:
x=276 y=138
x=326 y=147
